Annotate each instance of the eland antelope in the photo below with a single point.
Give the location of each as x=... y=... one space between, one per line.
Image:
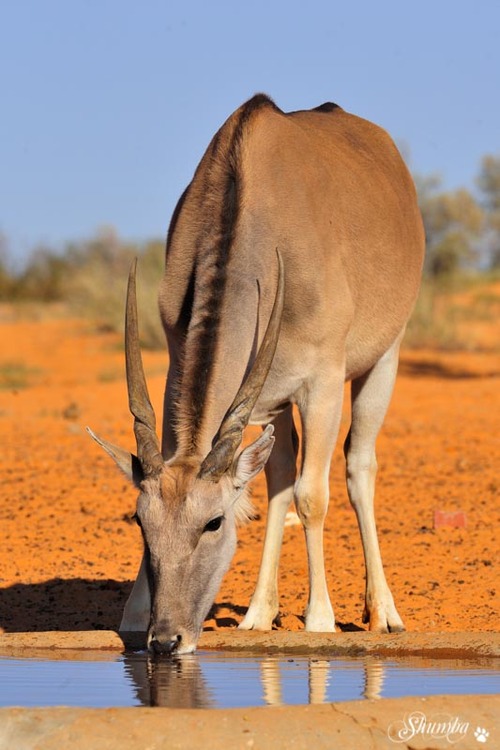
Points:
x=293 y=261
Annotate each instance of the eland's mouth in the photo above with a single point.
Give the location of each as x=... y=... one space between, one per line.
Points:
x=170 y=646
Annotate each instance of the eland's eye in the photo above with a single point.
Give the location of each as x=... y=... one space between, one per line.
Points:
x=214 y=524
x=136 y=518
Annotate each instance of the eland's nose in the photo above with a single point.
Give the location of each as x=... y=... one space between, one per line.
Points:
x=164 y=645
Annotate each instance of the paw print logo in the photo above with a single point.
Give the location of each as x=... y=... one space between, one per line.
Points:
x=481 y=735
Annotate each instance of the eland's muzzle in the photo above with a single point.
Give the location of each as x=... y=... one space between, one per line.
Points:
x=163 y=645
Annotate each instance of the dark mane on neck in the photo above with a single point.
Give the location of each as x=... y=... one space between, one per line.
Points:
x=213 y=202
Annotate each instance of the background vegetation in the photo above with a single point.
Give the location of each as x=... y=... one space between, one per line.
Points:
x=88 y=277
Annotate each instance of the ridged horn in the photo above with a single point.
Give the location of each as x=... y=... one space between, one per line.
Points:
x=230 y=433
x=148 y=448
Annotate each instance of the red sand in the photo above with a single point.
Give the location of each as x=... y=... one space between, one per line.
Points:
x=69 y=551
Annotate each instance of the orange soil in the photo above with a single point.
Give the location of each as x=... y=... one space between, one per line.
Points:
x=69 y=551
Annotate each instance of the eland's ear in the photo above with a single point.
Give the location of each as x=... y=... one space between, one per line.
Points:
x=253 y=458
x=126 y=462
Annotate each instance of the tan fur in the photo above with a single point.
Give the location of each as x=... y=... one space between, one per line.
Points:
x=331 y=193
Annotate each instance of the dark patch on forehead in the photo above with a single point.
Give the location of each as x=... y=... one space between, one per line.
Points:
x=176 y=481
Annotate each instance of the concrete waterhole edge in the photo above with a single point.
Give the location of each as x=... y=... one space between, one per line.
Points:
x=350 y=725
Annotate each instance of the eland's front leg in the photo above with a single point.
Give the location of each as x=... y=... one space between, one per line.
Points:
x=280 y=476
x=370 y=398
x=137 y=612
x=320 y=411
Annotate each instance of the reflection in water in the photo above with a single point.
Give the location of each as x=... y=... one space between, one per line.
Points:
x=181 y=683
x=211 y=679
x=170 y=682
x=271 y=681
x=374 y=679
x=320 y=672
x=318 y=679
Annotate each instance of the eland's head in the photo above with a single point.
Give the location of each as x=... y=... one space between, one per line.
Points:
x=189 y=505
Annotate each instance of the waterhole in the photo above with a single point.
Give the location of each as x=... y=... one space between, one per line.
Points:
x=210 y=679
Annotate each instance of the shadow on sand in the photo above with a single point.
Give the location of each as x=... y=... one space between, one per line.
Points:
x=435 y=369
x=77 y=604
x=63 y=604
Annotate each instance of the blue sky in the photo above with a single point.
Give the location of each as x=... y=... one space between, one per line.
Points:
x=108 y=105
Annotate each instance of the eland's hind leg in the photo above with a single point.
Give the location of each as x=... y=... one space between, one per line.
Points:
x=280 y=477
x=370 y=397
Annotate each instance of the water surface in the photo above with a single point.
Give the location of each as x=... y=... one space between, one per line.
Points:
x=210 y=679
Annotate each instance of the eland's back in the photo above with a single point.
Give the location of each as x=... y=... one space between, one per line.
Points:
x=337 y=200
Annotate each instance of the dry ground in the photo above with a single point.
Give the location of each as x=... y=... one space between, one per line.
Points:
x=69 y=551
